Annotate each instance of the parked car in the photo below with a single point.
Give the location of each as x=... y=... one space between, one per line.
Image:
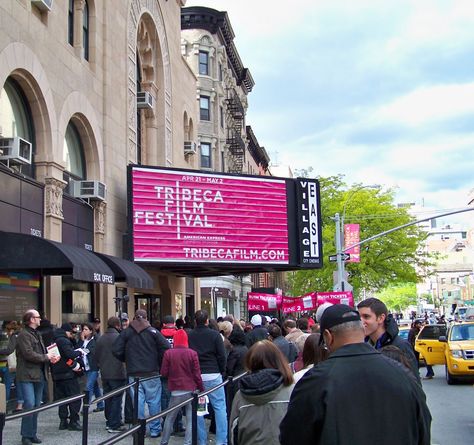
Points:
x=459 y=351
x=453 y=348
x=403 y=332
x=428 y=345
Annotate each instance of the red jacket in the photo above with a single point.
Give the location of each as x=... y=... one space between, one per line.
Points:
x=181 y=366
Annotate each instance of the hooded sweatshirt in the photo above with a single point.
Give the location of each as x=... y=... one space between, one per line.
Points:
x=390 y=337
x=181 y=365
x=141 y=347
x=258 y=408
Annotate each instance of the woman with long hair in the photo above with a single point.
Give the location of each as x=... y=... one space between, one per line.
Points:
x=313 y=353
x=87 y=344
x=262 y=401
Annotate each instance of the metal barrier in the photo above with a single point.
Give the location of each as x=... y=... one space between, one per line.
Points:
x=139 y=425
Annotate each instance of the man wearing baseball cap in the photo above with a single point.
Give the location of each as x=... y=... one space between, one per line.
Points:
x=258 y=332
x=357 y=395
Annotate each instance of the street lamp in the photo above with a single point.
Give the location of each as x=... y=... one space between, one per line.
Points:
x=341 y=284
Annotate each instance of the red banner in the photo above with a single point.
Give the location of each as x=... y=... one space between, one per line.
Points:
x=335 y=298
x=263 y=302
x=351 y=237
x=304 y=303
x=308 y=302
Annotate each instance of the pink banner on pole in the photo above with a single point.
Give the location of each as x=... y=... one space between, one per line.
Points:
x=335 y=298
x=263 y=302
x=351 y=237
x=304 y=303
x=181 y=216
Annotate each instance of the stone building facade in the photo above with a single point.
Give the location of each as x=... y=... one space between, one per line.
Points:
x=225 y=143
x=71 y=75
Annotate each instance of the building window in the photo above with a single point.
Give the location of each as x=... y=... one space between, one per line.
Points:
x=85 y=30
x=204 y=108
x=222 y=161
x=70 y=23
x=205 y=155
x=73 y=157
x=16 y=118
x=221 y=75
x=203 y=63
x=222 y=116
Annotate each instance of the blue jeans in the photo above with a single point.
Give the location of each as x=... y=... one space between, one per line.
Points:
x=7 y=381
x=217 y=399
x=149 y=391
x=93 y=388
x=32 y=395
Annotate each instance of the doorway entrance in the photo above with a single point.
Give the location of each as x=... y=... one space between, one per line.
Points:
x=152 y=305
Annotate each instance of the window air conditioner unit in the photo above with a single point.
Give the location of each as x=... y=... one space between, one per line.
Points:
x=144 y=100
x=43 y=5
x=89 y=190
x=15 y=150
x=190 y=148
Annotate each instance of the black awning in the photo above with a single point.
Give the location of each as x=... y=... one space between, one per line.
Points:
x=127 y=271
x=27 y=252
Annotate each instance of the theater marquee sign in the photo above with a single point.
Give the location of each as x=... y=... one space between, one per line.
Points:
x=200 y=217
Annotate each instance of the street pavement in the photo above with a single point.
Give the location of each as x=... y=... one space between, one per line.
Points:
x=48 y=432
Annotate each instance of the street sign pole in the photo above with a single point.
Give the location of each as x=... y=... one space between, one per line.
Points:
x=342 y=285
x=339 y=286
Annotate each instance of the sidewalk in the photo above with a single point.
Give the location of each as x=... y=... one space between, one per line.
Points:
x=48 y=432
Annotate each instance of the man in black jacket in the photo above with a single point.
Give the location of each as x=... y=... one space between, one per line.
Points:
x=65 y=376
x=142 y=347
x=258 y=332
x=212 y=360
x=288 y=349
x=112 y=373
x=381 y=330
x=356 y=396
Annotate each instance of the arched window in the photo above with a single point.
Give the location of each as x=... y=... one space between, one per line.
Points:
x=70 y=23
x=73 y=157
x=15 y=117
x=85 y=30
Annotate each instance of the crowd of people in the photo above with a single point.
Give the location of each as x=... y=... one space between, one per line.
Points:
x=330 y=378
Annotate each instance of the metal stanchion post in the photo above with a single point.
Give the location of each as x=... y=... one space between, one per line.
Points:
x=194 y=405
x=85 y=418
x=136 y=385
x=3 y=410
x=228 y=393
x=142 y=432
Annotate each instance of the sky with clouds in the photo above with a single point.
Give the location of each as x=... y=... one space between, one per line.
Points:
x=379 y=91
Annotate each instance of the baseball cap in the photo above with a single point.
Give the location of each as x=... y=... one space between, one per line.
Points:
x=67 y=327
x=124 y=316
x=256 y=320
x=320 y=311
x=337 y=314
x=140 y=314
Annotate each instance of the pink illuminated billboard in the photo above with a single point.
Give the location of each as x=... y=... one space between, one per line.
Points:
x=190 y=216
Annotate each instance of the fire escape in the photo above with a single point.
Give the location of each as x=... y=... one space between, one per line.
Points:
x=235 y=143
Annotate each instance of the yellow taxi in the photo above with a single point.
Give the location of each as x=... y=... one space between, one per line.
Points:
x=428 y=345
x=459 y=351
x=454 y=348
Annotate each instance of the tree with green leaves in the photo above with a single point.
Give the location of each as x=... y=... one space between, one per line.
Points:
x=398 y=297
x=396 y=258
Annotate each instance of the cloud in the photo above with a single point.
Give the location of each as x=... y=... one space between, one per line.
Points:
x=378 y=91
